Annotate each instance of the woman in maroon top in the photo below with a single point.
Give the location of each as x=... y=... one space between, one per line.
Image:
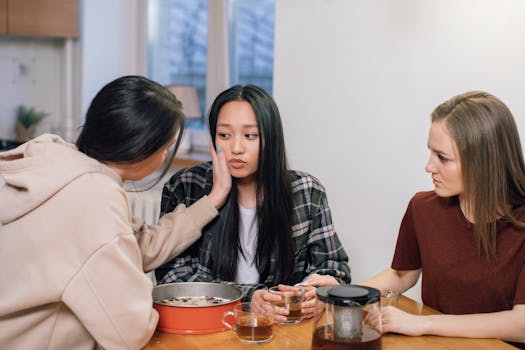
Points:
x=467 y=236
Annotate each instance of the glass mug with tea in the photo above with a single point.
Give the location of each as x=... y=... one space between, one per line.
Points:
x=291 y=298
x=389 y=298
x=250 y=326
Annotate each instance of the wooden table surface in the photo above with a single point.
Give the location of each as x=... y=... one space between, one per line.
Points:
x=299 y=337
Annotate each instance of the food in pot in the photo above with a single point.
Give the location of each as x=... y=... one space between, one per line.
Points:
x=193 y=319
x=193 y=301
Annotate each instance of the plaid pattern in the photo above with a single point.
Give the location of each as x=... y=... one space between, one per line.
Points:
x=318 y=249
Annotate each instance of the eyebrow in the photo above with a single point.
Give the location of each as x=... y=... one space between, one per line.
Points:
x=244 y=125
x=438 y=151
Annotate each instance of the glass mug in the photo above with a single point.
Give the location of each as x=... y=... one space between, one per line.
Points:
x=291 y=298
x=389 y=298
x=250 y=326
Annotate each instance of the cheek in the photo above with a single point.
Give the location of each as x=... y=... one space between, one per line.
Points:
x=459 y=179
x=159 y=160
x=255 y=155
x=452 y=175
x=222 y=144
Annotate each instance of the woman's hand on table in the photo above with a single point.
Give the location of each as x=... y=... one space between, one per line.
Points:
x=263 y=302
x=395 y=320
x=222 y=179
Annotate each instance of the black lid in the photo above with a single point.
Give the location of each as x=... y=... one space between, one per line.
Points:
x=348 y=295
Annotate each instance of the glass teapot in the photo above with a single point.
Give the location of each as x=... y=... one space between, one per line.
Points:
x=347 y=317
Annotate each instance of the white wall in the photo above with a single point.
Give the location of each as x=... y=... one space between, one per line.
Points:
x=112 y=44
x=31 y=73
x=356 y=82
x=32 y=69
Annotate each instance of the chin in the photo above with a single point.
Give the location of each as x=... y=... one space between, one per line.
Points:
x=444 y=193
x=241 y=175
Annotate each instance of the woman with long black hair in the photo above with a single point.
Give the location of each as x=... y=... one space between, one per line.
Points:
x=276 y=226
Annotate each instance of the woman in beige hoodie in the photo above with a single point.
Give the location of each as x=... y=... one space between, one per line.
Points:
x=72 y=257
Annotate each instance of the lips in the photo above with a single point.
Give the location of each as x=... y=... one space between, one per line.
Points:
x=237 y=163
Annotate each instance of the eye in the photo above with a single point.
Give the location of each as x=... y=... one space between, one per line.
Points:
x=442 y=158
x=224 y=135
x=251 y=136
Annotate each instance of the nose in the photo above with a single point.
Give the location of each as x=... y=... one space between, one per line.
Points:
x=429 y=167
x=237 y=145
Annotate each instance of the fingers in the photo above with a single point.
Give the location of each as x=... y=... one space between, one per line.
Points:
x=286 y=287
x=219 y=160
x=319 y=280
x=219 y=164
x=308 y=308
x=263 y=302
x=310 y=293
x=214 y=159
x=280 y=314
x=372 y=317
x=222 y=181
x=258 y=303
x=388 y=320
x=395 y=320
x=310 y=279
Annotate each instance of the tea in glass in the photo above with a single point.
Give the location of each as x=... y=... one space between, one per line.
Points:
x=292 y=298
x=250 y=326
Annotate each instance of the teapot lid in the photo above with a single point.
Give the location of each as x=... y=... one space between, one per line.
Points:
x=348 y=295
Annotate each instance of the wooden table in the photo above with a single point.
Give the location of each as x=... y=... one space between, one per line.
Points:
x=300 y=337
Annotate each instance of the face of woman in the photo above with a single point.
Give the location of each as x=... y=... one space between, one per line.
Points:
x=238 y=135
x=443 y=163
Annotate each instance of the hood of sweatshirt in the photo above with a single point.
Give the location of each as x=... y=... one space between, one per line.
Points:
x=33 y=172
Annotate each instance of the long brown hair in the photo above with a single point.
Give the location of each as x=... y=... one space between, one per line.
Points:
x=492 y=167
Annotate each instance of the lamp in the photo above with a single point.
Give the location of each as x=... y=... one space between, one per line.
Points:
x=187 y=95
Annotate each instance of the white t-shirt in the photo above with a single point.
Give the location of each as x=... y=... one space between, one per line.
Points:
x=246 y=270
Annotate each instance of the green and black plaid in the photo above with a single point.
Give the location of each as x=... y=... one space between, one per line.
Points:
x=317 y=247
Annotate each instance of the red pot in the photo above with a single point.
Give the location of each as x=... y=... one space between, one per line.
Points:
x=192 y=319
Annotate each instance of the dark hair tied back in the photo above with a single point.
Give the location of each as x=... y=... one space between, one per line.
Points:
x=129 y=119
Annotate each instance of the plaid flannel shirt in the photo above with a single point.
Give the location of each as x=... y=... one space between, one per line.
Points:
x=317 y=247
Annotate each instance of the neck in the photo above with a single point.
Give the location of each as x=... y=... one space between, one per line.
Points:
x=246 y=194
x=465 y=209
x=121 y=170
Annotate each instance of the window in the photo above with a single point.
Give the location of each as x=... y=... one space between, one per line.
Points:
x=251 y=33
x=178 y=44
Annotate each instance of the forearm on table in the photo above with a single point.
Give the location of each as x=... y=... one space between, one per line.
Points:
x=507 y=325
x=398 y=281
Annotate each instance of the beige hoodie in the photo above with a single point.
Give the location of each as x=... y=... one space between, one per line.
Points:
x=72 y=257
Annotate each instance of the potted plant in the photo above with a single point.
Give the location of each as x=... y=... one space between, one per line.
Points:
x=26 y=120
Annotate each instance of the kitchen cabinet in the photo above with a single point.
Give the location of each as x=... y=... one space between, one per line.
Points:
x=3 y=16
x=53 y=18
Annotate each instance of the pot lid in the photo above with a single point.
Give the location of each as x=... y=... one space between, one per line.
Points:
x=348 y=295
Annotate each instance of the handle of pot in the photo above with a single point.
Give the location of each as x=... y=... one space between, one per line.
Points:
x=226 y=314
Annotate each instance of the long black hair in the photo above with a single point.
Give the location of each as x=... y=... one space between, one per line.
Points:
x=129 y=119
x=273 y=193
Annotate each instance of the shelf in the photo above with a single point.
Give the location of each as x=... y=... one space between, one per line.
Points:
x=190 y=159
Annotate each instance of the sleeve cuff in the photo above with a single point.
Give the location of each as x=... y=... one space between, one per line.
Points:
x=202 y=212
